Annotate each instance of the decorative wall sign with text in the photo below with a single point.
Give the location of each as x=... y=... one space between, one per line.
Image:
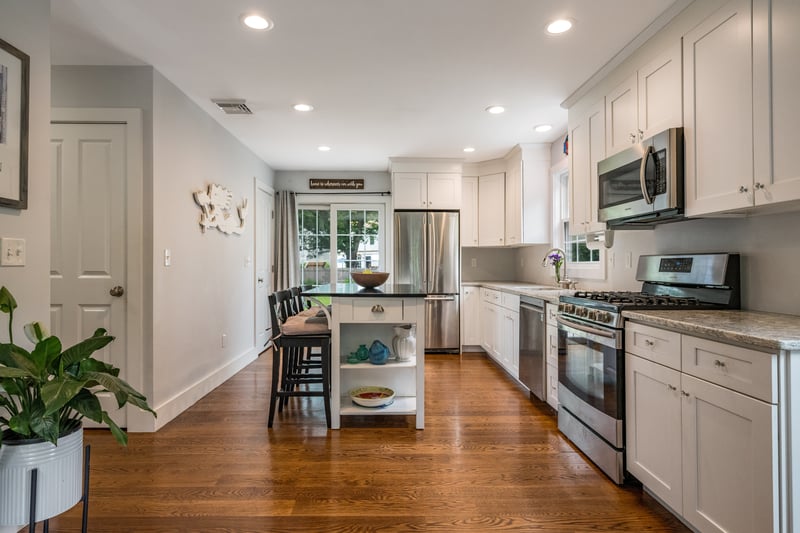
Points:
x=216 y=205
x=336 y=183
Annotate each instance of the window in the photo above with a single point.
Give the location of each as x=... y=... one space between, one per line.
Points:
x=582 y=261
x=337 y=239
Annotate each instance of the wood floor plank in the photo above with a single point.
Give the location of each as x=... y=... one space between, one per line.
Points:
x=489 y=460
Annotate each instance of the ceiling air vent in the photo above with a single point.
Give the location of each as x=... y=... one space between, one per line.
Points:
x=233 y=107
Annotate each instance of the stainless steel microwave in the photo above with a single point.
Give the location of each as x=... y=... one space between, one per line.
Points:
x=643 y=185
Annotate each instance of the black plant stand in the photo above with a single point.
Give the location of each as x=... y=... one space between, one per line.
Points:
x=84 y=498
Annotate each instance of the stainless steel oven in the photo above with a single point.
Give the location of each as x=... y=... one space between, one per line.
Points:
x=591 y=391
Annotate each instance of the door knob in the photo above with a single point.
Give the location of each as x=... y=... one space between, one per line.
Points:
x=116 y=291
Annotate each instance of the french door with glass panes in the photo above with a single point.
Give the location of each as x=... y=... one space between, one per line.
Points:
x=337 y=239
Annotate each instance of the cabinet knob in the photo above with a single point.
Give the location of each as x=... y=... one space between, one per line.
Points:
x=377 y=308
x=719 y=364
x=742 y=188
x=684 y=393
x=758 y=185
x=633 y=138
x=648 y=342
x=641 y=135
x=672 y=387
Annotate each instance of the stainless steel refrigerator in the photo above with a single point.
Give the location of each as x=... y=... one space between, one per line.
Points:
x=427 y=255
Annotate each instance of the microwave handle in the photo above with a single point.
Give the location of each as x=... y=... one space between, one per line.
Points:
x=648 y=151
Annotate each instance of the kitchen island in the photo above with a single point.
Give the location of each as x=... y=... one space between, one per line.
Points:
x=359 y=317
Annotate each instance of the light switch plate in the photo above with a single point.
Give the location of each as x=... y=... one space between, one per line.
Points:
x=12 y=252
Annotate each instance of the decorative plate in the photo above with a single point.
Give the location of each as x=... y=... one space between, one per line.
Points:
x=372 y=396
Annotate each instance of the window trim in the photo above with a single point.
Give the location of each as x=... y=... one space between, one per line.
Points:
x=561 y=197
x=353 y=201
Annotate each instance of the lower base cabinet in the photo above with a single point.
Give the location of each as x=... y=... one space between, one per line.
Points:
x=706 y=451
x=499 y=316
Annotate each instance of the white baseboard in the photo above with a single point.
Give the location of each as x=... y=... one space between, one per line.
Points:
x=143 y=422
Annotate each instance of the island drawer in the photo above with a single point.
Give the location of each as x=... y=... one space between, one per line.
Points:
x=377 y=310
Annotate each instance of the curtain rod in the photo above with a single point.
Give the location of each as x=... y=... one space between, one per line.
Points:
x=377 y=193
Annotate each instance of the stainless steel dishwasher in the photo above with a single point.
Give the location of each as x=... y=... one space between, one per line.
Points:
x=531 y=345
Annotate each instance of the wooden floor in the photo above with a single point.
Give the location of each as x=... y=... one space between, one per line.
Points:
x=488 y=460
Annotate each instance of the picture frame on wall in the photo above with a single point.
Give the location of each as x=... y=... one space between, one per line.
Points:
x=14 y=94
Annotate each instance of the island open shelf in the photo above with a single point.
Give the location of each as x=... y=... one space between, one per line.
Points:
x=360 y=316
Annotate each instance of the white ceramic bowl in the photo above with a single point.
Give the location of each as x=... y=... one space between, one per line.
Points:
x=372 y=396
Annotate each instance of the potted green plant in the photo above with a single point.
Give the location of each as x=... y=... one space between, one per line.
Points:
x=45 y=394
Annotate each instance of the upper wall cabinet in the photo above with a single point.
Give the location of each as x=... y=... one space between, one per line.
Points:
x=469 y=211
x=587 y=147
x=719 y=109
x=425 y=190
x=646 y=103
x=777 y=113
x=491 y=209
x=528 y=196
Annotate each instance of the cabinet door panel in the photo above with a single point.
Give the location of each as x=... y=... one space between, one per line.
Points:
x=621 y=122
x=444 y=191
x=730 y=459
x=469 y=211
x=409 y=190
x=653 y=433
x=491 y=209
x=660 y=97
x=718 y=111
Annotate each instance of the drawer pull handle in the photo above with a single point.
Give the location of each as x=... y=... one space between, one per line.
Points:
x=377 y=308
x=648 y=342
x=719 y=364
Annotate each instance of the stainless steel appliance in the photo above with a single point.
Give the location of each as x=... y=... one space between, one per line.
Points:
x=427 y=255
x=643 y=185
x=531 y=346
x=591 y=389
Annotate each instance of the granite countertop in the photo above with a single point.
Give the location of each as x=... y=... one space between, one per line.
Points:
x=522 y=288
x=772 y=331
x=387 y=290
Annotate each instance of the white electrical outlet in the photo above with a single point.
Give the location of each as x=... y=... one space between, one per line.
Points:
x=473 y=263
x=629 y=260
x=223 y=340
x=12 y=252
x=167 y=257
x=611 y=258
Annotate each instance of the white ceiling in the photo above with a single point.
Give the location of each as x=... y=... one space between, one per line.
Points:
x=388 y=78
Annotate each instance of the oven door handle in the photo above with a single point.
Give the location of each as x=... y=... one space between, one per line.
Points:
x=586 y=329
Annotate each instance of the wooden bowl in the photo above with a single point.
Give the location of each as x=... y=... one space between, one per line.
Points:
x=369 y=281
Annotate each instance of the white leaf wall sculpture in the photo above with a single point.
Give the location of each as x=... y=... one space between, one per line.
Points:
x=216 y=210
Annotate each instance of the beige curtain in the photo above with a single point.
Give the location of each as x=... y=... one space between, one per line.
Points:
x=287 y=261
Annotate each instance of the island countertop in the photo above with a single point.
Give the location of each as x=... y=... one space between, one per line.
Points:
x=350 y=290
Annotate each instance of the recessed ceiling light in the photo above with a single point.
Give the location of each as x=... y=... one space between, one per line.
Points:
x=324 y=148
x=541 y=128
x=303 y=107
x=469 y=149
x=559 y=26
x=495 y=109
x=257 y=22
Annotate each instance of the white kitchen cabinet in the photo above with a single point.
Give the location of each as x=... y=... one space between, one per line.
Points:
x=528 y=195
x=470 y=316
x=426 y=190
x=704 y=448
x=490 y=321
x=718 y=113
x=509 y=340
x=587 y=147
x=775 y=91
x=551 y=354
x=469 y=211
x=653 y=428
x=647 y=102
x=730 y=459
x=500 y=328
x=491 y=209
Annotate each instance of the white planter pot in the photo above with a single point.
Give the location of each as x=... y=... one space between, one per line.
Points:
x=59 y=480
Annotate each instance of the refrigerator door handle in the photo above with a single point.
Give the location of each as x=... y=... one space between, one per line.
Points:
x=440 y=298
x=430 y=246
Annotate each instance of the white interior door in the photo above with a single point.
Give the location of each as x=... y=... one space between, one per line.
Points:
x=88 y=245
x=265 y=216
